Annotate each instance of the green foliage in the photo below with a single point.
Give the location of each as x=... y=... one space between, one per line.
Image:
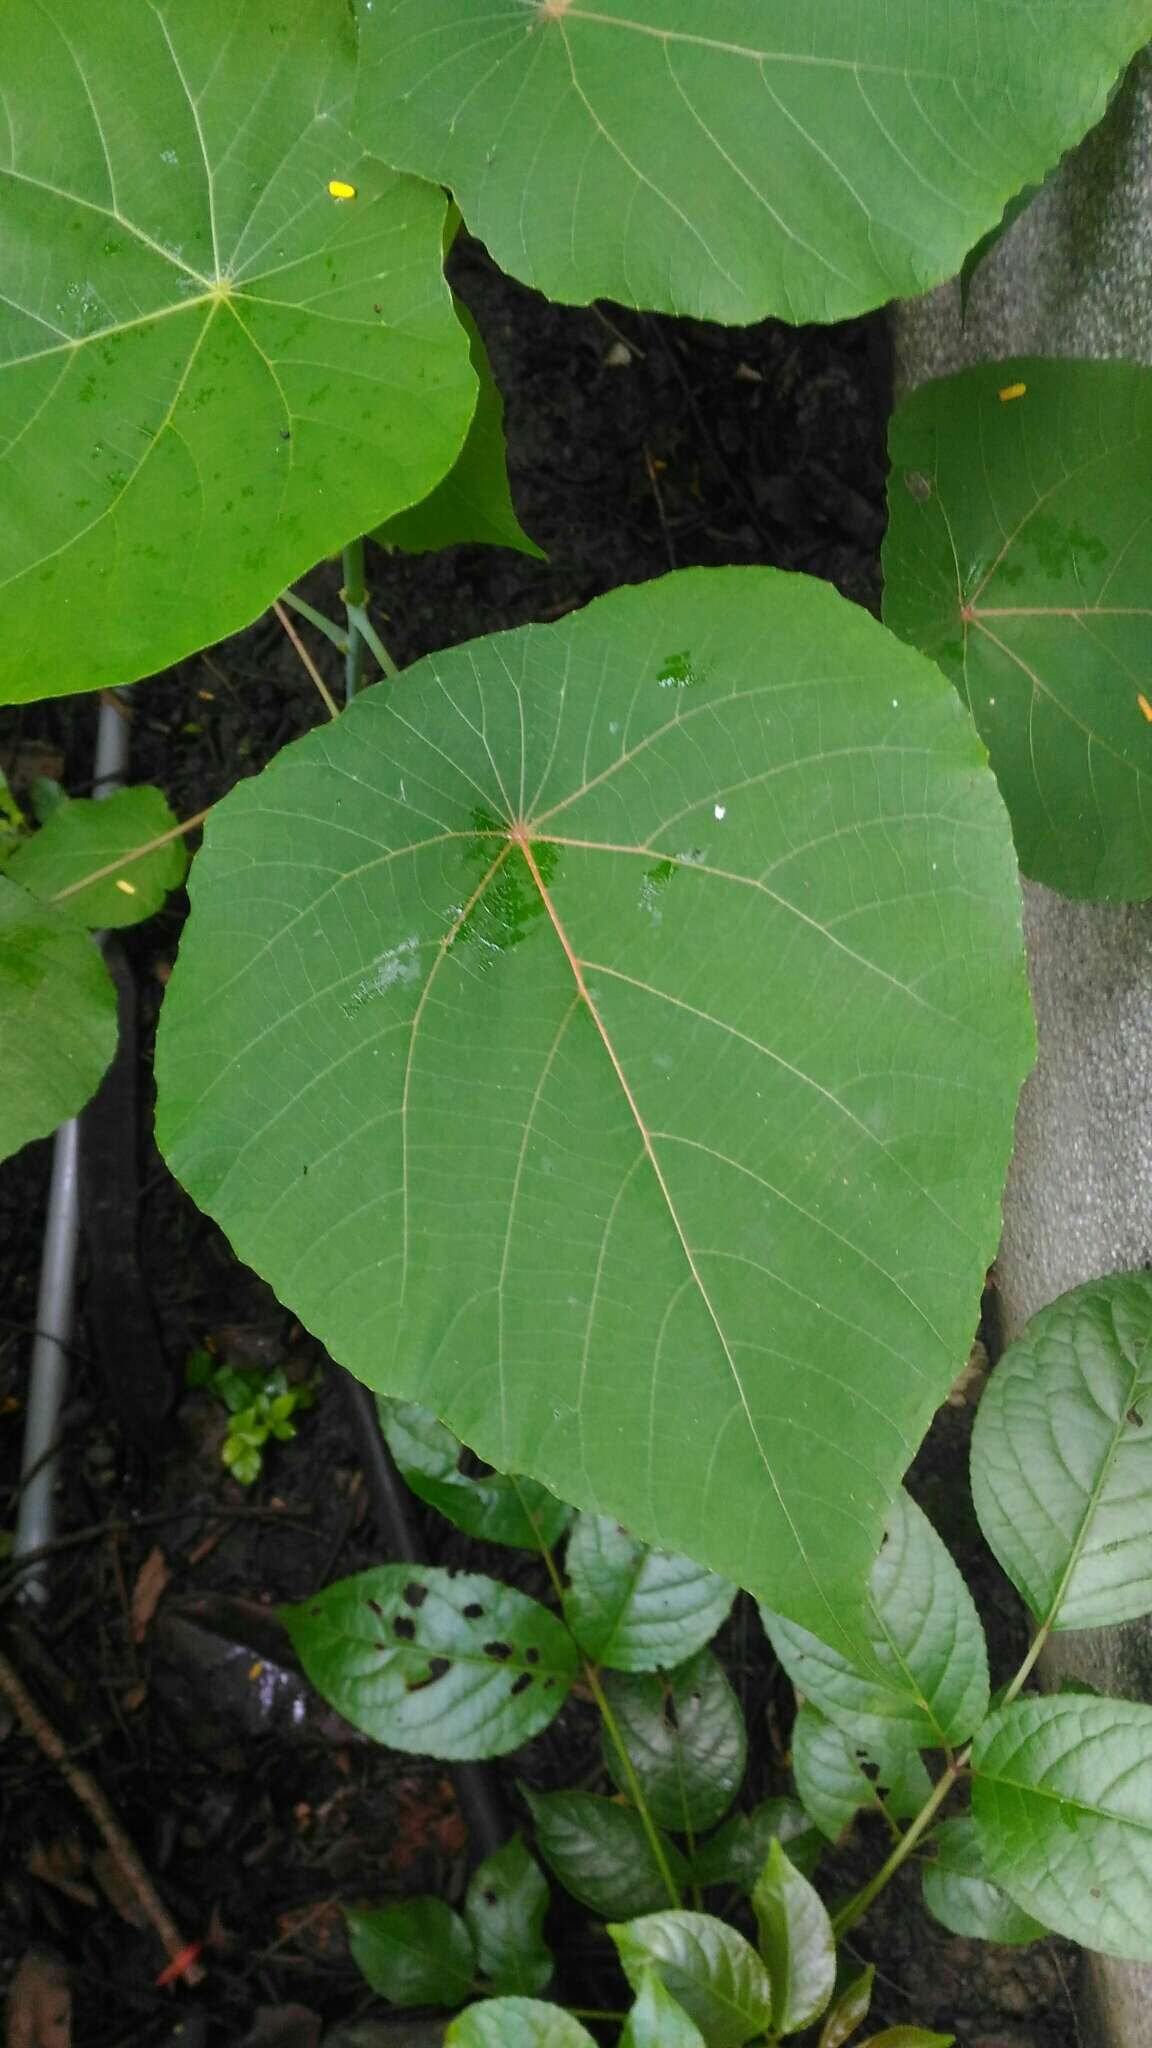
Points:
x=656 y=2021
x=708 y=1968
x=634 y=1608
x=415 y=1953
x=1063 y=1813
x=688 y=1176
x=602 y=1853
x=260 y=1405
x=504 y=1909
x=221 y=371
x=473 y=502
x=849 y=2010
x=684 y=1734
x=1062 y=1456
x=808 y=163
x=493 y=1507
x=57 y=1018
x=82 y=837
x=1019 y=555
x=839 y=1775
x=796 y=1942
x=960 y=1894
x=516 y=2023
x=927 y=1686
x=449 y=1664
x=737 y=1852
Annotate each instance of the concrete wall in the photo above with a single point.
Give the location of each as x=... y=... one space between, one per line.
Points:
x=1074 y=278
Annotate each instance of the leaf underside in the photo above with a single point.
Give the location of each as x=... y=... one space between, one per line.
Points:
x=212 y=371
x=611 y=1040
x=737 y=161
x=1019 y=556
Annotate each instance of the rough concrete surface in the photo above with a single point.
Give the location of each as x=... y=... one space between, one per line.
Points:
x=1074 y=278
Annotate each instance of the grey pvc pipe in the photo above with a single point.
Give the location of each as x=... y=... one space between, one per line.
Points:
x=56 y=1299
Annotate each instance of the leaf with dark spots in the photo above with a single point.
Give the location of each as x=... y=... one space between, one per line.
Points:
x=436 y=1686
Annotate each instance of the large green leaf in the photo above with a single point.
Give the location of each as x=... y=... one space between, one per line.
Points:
x=1019 y=555
x=796 y=1942
x=708 y=1967
x=504 y=1907
x=634 y=1608
x=928 y=1685
x=443 y=1663
x=474 y=501
x=960 y=1894
x=685 y=1739
x=516 y=2023
x=1062 y=1456
x=417 y=1952
x=839 y=1776
x=83 y=838
x=802 y=160
x=1062 y=1801
x=494 y=1507
x=611 y=1040
x=57 y=1018
x=212 y=370
x=601 y=1852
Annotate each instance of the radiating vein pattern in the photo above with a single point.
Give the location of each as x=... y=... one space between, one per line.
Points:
x=211 y=372
x=1019 y=555
x=736 y=160
x=671 y=1190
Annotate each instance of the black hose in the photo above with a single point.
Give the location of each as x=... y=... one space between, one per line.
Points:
x=487 y=1827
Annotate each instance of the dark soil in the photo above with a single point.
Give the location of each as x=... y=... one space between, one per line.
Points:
x=636 y=444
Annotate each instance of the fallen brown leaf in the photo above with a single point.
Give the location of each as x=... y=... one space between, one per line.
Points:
x=151 y=1580
x=40 y=2003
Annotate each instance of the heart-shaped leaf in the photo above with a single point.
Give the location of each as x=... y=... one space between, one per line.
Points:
x=928 y=1687
x=416 y=1953
x=1019 y=555
x=516 y=2023
x=707 y=1966
x=443 y=1663
x=504 y=1908
x=656 y=2021
x=796 y=1942
x=493 y=1507
x=473 y=502
x=611 y=1040
x=804 y=162
x=1062 y=1456
x=213 y=370
x=685 y=1739
x=87 y=837
x=634 y=1608
x=1062 y=1801
x=960 y=1894
x=737 y=1852
x=601 y=1852
x=57 y=1018
x=838 y=1775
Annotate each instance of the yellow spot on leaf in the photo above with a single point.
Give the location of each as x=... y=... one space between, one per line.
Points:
x=126 y=888
x=340 y=189
x=1145 y=706
x=1012 y=391
x=254 y=1670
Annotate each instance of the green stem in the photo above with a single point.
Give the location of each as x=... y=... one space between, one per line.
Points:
x=858 y=1906
x=355 y=597
x=326 y=626
x=358 y=617
x=611 y=1727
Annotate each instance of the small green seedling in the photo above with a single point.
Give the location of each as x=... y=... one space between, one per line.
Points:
x=260 y=1405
